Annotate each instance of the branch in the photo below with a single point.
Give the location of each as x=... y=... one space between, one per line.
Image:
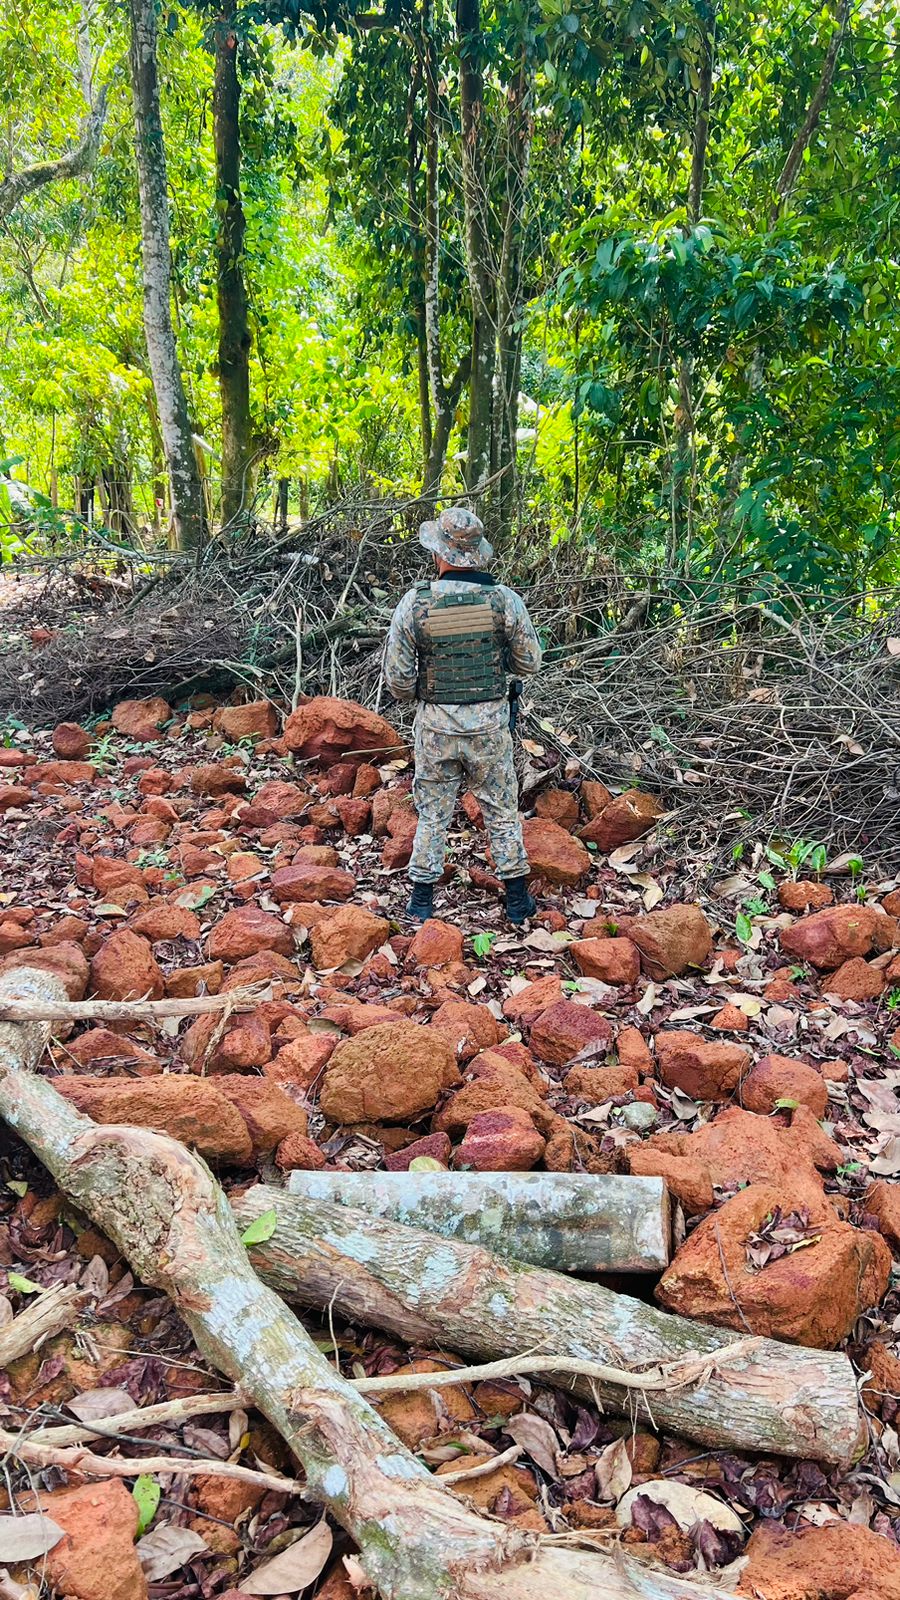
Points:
x=125 y=1422
x=660 y=1379
x=73 y=164
x=90 y=1466
x=789 y=171
x=415 y=1537
x=13 y=1009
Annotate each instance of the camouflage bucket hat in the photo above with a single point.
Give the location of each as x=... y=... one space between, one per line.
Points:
x=458 y=537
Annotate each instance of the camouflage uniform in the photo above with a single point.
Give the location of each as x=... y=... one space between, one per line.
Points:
x=457 y=741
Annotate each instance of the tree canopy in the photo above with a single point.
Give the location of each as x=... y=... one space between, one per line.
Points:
x=625 y=273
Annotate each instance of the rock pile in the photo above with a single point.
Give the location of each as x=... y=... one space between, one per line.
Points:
x=221 y=850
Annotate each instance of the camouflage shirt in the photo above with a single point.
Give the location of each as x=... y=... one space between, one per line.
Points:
x=401 y=663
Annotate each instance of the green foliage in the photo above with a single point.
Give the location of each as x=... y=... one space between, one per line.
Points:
x=715 y=393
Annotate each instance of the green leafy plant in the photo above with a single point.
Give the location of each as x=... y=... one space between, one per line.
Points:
x=849 y=1169
x=147 y=1495
x=482 y=944
x=103 y=757
x=796 y=855
x=743 y=927
x=152 y=858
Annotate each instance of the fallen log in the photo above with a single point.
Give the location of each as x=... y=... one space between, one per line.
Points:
x=775 y=1398
x=165 y=1212
x=565 y=1220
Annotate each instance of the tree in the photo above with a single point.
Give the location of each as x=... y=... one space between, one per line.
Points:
x=479 y=253
x=188 y=509
x=82 y=156
x=74 y=164
x=234 y=328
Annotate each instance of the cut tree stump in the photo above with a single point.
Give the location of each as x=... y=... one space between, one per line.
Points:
x=566 y=1220
x=165 y=1212
x=778 y=1399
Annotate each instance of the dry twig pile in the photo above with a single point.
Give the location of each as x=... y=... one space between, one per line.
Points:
x=754 y=701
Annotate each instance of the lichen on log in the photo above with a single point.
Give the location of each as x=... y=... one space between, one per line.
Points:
x=573 y=1222
x=778 y=1398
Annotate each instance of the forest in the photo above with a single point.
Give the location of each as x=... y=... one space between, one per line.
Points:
x=449 y=797
x=632 y=266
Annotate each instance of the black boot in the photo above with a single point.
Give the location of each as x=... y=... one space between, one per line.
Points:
x=421 y=902
x=519 y=903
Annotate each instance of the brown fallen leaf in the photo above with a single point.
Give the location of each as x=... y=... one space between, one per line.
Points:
x=26 y=1538
x=296 y=1567
x=166 y=1548
x=536 y=1438
x=780 y=1234
x=95 y=1404
x=612 y=1471
x=887 y=1162
x=686 y=1504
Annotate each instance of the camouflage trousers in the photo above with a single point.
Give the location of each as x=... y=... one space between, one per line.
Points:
x=485 y=759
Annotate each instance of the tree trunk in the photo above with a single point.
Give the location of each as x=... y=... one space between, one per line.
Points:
x=444 y=397
x=509 y=291
x=84 y=494
x=165 y=1212
x=789 y=172
x=779 y=1399
x=415 y=213
x=77 y=161
x=784 y=188
x=234 y=326
x=281 y=505
x=684 y=458
x=569 y=1221
x=479 y=261
x=119 y=509
x=425 y=428
x=156 y=259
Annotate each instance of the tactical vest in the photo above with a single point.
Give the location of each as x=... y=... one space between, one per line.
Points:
x=461 y=645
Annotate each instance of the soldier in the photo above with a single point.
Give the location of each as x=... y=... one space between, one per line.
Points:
x=453 y=642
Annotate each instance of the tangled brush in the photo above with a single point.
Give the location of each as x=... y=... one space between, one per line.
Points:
x=741 y=704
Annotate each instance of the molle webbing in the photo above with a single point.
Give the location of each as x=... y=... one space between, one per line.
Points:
x=461 y=644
